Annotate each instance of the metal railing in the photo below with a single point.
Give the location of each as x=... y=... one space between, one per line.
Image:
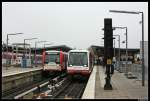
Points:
x=133 y=70
x=136 y=71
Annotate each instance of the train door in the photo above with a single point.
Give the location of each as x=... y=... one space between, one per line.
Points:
x=91 y=60
x=61 y=60
x=65 y=61
x=43 y=58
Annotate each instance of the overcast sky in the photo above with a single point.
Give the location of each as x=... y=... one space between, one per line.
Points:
x=75 y=24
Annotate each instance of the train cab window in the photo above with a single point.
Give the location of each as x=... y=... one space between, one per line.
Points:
x=78 y=59
x=46 y=59
x=52 y=58
x=57 y=60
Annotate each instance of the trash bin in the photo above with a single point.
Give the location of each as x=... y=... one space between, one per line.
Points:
x=32 y=60
x=28 y=62
x=24 y=62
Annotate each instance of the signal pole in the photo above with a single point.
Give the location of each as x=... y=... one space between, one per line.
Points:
x=108 y=52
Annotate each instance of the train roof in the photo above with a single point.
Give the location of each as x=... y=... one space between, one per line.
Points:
x=77 y=50
x=53 y=51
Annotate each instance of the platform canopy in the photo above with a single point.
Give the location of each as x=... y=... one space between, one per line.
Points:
x=99 y=50
x=20 y=44
x=58 y=48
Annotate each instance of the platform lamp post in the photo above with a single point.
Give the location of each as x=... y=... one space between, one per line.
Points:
x=7 y=47
x=126 y=45
x=119 y=46
x=35 y=58
x=24 y=49
x=142 y=14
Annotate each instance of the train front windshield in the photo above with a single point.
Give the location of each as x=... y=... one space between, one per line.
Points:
x=52 y=58
x=78 y=59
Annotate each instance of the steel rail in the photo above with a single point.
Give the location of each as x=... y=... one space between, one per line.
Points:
x=60 y=91
x=35 y=88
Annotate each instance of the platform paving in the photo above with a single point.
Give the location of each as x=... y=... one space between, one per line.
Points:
x=123 y=88
x=89 y=91
x=16 y=70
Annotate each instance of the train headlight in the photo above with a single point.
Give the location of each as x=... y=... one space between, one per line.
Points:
x=85 y=65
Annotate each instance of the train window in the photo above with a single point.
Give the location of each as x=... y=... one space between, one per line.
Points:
x=52 y=58
x=78 y=59
x=46 y=59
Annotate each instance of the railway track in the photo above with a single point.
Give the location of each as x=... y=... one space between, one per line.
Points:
x=44 y=89
x=60 y=87
x=71 y=90
x=10 y=94
x=14 y=91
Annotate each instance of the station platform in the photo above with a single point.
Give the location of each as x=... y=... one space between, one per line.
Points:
x=123 y=88
x=17 y=70
x=13 y=77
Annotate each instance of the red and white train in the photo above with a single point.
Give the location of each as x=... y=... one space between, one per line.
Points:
x=54 y=61
x=80 y=62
